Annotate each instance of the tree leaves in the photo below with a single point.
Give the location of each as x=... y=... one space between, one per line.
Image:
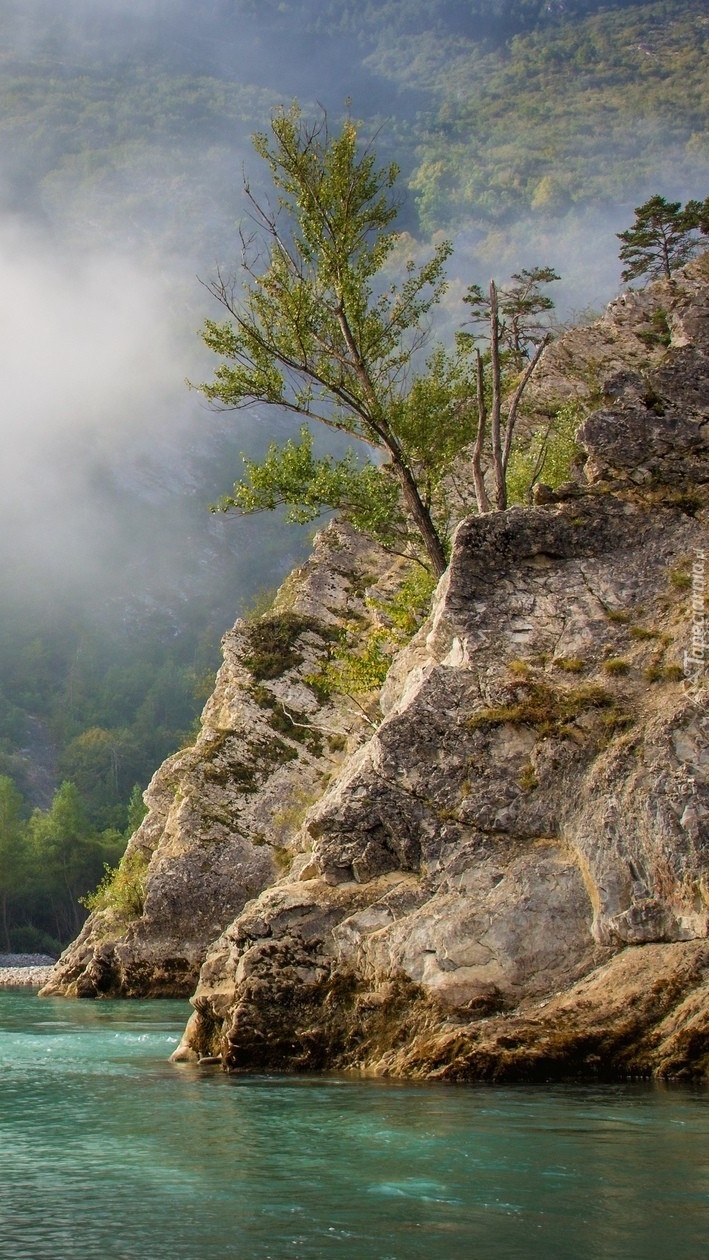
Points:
x=308 y=330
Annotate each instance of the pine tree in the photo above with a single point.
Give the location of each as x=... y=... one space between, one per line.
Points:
x=663 y=237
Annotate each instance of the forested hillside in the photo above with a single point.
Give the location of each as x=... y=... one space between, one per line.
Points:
x=526 y=130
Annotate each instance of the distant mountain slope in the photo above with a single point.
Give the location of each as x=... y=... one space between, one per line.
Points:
x=133 y=127
x=602 y=110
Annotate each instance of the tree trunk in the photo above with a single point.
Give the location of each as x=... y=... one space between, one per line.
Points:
x=5 y=925
x=421 y=517
x=415 y=506
x=484 y=504
x=495 y=426
x=514 y=405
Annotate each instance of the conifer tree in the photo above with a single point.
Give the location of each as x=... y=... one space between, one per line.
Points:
x=663 y=237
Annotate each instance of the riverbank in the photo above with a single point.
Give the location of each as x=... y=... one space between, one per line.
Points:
x=25 y=970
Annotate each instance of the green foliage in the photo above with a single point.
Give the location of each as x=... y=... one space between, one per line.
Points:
x=311 y=334
x=13 y=855
x=659 y=333
x=569 y=114
x=291 y=476
x=523 y=311
x=137 y=809
x=67 y=853
x=570 y=664
x=359 y=663
x=122 y=889
x=616 y=665
x=547 y=454
x=643 y=633
x=359 y=668
x=662 y=238
x=409 y=606
x=47 y=862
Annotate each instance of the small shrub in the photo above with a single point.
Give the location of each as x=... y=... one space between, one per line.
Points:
x=282 y=857
x=292 y=723
x=616 y=721
x=656 y=672
x=275 y=752
x=409 y=607
x=680 y=579
x=570 y=664
x=271 y=644
x=617 y=616
x=231 y=772
x=686 y=501
x=122 y=889
x=658 y=334
x=360 y=662
x=642 y=634
x=548 y=455
x=528 y=780
x=538 y=705
x=361 y=668
x=616 y=665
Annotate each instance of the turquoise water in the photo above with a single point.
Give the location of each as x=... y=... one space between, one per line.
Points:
x=107 y=1152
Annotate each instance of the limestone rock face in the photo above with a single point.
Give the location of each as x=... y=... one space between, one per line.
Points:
x=222 y=815
x=511 y=824
x=510 y=877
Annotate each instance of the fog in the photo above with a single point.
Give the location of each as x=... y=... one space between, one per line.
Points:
x=120 y=185
x=91 y=392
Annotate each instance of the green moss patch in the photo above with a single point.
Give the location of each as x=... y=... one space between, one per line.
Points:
x=271 y=643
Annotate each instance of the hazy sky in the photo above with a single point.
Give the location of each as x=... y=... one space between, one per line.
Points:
x=111 y=208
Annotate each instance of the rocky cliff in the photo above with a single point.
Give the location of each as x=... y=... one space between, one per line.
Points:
x=509 y=877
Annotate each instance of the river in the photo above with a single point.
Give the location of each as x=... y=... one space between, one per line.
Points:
x=107 y=1152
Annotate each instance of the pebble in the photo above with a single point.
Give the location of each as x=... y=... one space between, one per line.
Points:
x=25 y=970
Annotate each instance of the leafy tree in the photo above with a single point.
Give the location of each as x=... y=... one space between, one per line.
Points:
x=68 y=856
x=662 y=238
x=309 y=331
x=291 y=476
x=13 y=857
x=434 y=424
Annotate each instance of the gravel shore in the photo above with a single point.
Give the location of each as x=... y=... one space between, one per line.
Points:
x=25 y=970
